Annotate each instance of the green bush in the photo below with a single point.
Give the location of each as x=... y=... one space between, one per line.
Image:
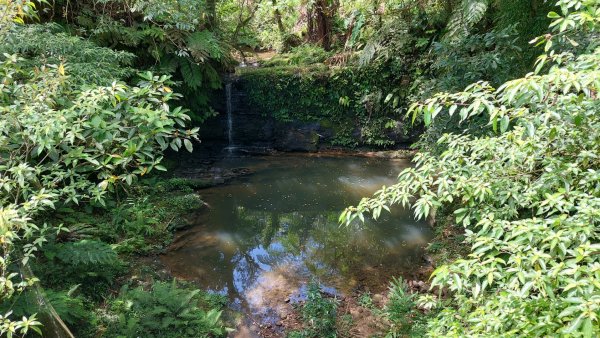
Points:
x=72 y=132
x=400 y=308
x=179 y=184
x=92 y=264
x=319 y=315
x=527 y=193
x=184 y=203
x=165 y=310
x=64 y=144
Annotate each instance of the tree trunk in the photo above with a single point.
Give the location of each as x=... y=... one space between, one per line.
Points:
x=320 y=22
x=277 y=15
x=211 y=9
x=310 y=29
x=349 y=30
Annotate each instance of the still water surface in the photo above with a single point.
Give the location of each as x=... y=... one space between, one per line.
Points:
x=265 y=235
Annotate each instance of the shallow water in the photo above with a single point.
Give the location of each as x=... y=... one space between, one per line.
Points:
x=266 y=235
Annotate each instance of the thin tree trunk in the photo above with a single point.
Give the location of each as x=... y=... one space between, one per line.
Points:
x=349 y=30
x=244 y=21
x=277 y=14
x=320 y=22
x=211 y=8
x=310 y=29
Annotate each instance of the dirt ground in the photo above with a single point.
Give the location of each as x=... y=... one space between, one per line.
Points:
x=353 y=318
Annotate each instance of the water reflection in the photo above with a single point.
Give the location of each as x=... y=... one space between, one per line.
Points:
x=265 y=236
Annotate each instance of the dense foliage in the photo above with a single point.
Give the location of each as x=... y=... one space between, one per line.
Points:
x=174 y=37
x=166 y=310
x=389 y=53
x=87 y=92
x=348 y=101
x=527 y=192
x=68 y=139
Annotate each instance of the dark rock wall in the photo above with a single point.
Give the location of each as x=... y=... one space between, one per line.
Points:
x=253 y=128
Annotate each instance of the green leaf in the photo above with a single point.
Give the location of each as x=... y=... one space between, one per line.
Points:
x=427 y=117
x=553 y=15
x=504 y=121
x=188 y=145
x=452 y=109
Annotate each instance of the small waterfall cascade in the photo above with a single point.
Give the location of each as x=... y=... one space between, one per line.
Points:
x=229 y=109
x=235 y=113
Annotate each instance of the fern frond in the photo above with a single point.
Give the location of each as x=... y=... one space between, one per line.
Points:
x=191 y=72
x=465 y=16
x=203 y=45
x=86 y=252
x=212 y=77
x=70 y=308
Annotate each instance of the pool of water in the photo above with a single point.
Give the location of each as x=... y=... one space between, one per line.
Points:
x=264 y=236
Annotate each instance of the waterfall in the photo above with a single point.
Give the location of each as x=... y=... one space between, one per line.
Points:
x=229 y=107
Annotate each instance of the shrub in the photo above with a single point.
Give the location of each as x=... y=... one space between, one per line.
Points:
x=318 y=313
x=180 y=184
x=66 y=141
x=400 y=308
x=166 y=310
x=527 y=194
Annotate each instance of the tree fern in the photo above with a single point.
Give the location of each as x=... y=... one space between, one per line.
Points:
x=211 y=77
x=465 y=16
x=204 y=45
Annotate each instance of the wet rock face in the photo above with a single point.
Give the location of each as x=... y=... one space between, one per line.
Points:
x=298 y=137
x=252 y=128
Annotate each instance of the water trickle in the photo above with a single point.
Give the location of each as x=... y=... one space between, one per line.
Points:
x=229 y=107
